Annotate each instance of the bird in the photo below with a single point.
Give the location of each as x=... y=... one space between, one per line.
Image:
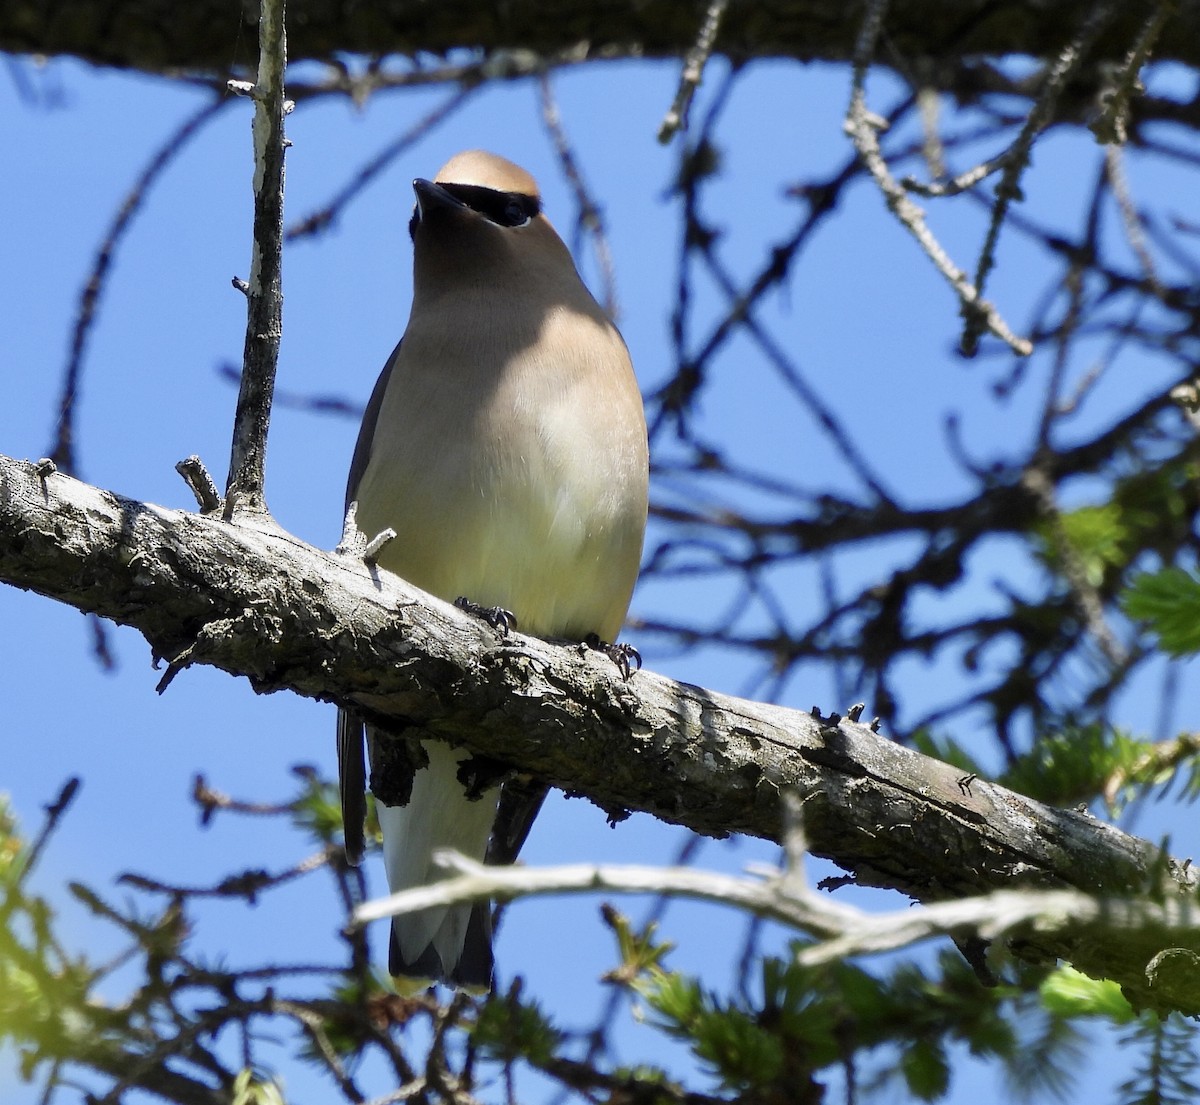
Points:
x=505 y=443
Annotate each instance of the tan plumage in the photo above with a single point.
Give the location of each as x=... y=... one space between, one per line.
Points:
x=506 y=445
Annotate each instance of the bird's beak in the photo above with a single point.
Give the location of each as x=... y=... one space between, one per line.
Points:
x=431 y=196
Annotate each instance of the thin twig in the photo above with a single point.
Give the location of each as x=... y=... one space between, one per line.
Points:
x=962 y=182
x=693 y=71
x=401 y=1093
x=1066 y=328
x=1087 y=597
x=1111 y=126
x=326 y=403
x=695 y=166
x=589 y=217
x=63 y=451
x=840 y=930
x=929 y=106
x=264 y=291
x=863 y=128
x=599 y=1033
x=247 y=884
x=313 y=1024
x=54 y=813
x=500 y=65
x=791 y=375
x=1016 y=160
x=323 y=218
x=1114 y=163
x=196 y=475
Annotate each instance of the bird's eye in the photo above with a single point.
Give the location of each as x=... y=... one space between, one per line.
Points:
x=515 y=214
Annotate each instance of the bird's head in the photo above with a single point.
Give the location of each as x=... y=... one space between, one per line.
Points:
x=482 y=213
x=476 y=187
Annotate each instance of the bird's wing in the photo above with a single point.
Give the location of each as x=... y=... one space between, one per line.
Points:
x=352 y=768
x=520 y=800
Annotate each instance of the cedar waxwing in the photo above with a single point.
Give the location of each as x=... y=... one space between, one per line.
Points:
x=505 y=443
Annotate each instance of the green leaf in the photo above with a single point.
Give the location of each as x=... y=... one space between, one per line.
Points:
x=1169 y=601
x=1072 y=764
x=248 y=1089
x=640 y=952
x=510 y=1028
x=925 y=1070
x=1069 y=993
x=1098 y=537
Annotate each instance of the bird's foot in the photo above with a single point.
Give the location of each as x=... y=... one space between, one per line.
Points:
x=497 y=617
x=626 y=657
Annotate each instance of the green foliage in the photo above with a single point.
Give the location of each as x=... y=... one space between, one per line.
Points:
x=1075 y=765
x=1048 y=1052
x=1172 y=761
x=804 y=1023
x=317 y=809
x=744 y=1054
x=929 y=1012
x=785 y=1035
x=509 y=1027
x=42 y=990
x=1149 y=511
x=248 y=1089
x=57 y=1010
x=1098 y=536
x=925 y=1070
x=1068 y=993
x=348 y=997
x=1167 y=1072
x=1072 y=765
x=1169 y=602
x=639 y=951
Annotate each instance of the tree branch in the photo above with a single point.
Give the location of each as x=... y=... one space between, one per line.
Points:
x=160 y=35
x=839 y=931
x=253 y=600
x=264 y=289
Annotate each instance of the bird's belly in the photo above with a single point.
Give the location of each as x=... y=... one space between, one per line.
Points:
x=560 y=554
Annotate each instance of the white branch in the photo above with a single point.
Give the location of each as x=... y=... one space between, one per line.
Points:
x=841 y=930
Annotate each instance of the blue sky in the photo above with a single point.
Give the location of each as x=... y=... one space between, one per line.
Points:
x=871 y=324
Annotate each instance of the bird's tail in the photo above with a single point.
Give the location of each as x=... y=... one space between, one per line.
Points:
x=447 y=943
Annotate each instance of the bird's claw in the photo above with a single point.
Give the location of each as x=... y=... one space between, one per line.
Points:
x=625 y=656
x=501 y=620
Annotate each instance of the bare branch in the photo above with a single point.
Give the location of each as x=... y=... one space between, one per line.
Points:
x=264 y=292
x=64 y=449
x=693 y=71
x=1135 y=231
x=1016 y=160
x=862 y=126
x=840 y=931
x=196 y=475
x=323 y=218
x=161 y=36
x=1112 y=124
x=289 y=616
x=590 y=217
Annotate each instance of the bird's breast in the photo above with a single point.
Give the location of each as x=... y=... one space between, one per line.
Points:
x=515 y=475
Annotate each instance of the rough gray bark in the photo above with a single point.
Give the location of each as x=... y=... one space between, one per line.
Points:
x=158 y=35
x=251 y=599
